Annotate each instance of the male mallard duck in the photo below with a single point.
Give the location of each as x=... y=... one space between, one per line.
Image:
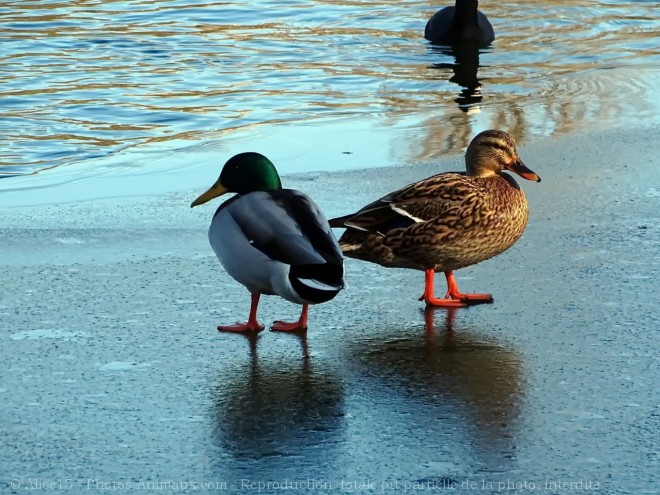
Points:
x=273 y=241
x=447 y=221
x=462 y=23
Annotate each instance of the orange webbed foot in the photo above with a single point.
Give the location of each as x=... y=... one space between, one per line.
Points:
x=473 y=298
x=252 y=325
x=444 y=303
x=242 y=327
x=283 y=326
x=453 y=298
x=298 y=326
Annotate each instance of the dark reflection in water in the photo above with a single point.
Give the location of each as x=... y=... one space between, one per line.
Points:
x=277 y=410
x=453 y=376
x=464 y=72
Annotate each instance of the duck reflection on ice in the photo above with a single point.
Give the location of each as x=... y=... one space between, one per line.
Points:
x=452 y=378
x=277 y=408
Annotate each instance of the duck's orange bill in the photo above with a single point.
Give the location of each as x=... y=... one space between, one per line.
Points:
x=523 y=171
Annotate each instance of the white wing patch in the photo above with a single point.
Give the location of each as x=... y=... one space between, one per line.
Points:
x=405 y=213
x=356 y=227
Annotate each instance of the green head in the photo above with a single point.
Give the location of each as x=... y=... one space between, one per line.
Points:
x=242 y=174
x=248 y=172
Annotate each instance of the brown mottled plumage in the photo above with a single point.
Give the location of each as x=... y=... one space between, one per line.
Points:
x=447 y=221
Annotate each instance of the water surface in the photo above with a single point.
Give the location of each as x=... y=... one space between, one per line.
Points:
x=318 y=85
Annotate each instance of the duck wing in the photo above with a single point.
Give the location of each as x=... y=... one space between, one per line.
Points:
x=428 y=199
x=286 y=225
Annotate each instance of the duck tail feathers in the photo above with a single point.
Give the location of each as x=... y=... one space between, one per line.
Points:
x=339 y=222
x=317 y=283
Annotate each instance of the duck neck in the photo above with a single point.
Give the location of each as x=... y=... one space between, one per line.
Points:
x=465 y=11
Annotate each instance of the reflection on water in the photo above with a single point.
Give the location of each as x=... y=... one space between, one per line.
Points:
x=278 y=411
x=454 y=377
x=464 y=73
x=87 y=79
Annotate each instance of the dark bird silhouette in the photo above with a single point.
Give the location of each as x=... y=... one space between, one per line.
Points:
x=460 y=24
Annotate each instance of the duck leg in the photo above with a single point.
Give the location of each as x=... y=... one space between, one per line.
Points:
x=454 y=293
x=252 y=325
x=428 y=295
x=453 y=298
x=298 y=326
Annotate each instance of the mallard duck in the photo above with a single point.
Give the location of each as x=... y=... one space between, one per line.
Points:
x=459 y=24
x=273 y=241
x=447 y=221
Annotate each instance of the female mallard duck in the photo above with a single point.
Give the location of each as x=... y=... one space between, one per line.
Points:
x=447 y=221
x=459 y=24
x=273 y=241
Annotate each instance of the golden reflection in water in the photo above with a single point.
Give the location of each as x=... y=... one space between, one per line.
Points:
x=586 y=77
